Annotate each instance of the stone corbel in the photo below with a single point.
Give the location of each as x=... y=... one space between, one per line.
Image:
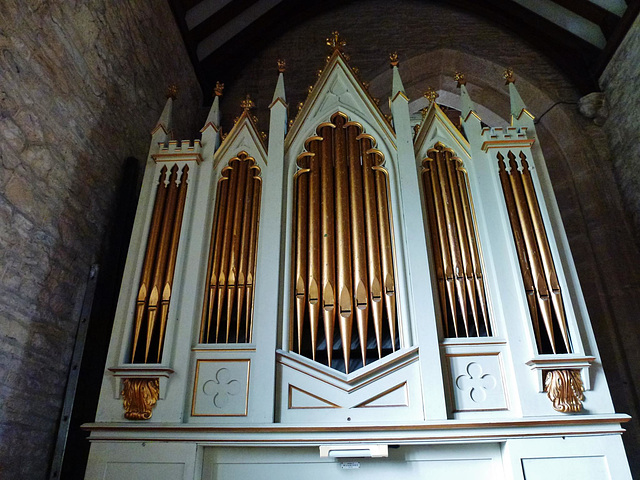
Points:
x=141 y=386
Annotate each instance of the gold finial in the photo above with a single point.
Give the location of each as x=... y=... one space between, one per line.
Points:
x=459 y=77
x=508 y=76
x=423 y=111
x=416 y=127
x=335 y=41
x=393 y=59
x=300 y=105
x=172 y=91
x=263 y=136
x=217 y=91
x=355 y=70
x=309 y=89
x=318 y=72
x=431 y=95
x=282 y=65
x=365 y=85
x=247 y=104
x=290 y=122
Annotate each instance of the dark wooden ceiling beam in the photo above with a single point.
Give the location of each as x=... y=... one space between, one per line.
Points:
x=602 y=17
x=227 y=13
x=572 y=54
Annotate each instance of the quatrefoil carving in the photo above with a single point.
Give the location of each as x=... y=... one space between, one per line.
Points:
x=221 y=388
x=476 y=382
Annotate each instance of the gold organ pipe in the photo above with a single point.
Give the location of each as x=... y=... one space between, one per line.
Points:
x=473 y=242
x=373 y=241
x=302 y=205
x=545 y=251
x=244 y=250
x=314 y=269
x=209 y=289
x=232 y=276
x=438 y=255
x=343 y=239
x=454 y=244
x=173 y=255
x=226 y=244
x=147 y=266
x=253 y=246
x=386 y=242
x=223 y=206
x=447 y=264
x=161 y=262
x=532 y=249
x=521 y=248
x=358 y=248
x=327 y=230
x=464 y=240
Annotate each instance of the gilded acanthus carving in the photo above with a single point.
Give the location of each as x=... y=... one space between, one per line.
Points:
x=139 y=396
x=565 y=390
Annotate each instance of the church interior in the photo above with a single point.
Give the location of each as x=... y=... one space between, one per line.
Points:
x=95 y=100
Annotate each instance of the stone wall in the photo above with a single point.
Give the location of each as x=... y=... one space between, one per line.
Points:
x=621 y=85
x=81 y=85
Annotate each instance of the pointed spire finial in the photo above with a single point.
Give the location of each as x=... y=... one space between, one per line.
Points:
x=431 y=95
x=282 y=65
x=393 y=59
x=459 y=77
x=247 y=104
x=508 y=76
x=336 y=42
x=172 y=91
x=217 y=91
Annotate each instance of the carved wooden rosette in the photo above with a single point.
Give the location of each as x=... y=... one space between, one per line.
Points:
x=343 y=249
x=228 y=303
x=565 y=390
x=534 y=255
x=455 y=245
x=139 y=396
x=156 y=280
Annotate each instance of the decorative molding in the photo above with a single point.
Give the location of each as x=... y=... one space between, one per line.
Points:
x=179 y=151
x=139 y=396
x=301 y=399
x=137 y=371
x=565 y=390
x=543 y=364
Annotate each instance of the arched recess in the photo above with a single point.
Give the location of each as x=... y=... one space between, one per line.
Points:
x=228 y=303
x=343 y=273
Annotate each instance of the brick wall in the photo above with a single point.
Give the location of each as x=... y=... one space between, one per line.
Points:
x=81 y=85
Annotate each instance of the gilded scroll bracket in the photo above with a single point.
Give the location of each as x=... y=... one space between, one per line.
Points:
x=123 y=373
x=541 y=365
x=565 y=390
x=139 y=396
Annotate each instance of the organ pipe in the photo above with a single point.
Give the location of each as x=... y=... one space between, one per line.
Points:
x=158 y=268
x=228 y=305
x=539 y=276
x=454 y=243
x=343 y=249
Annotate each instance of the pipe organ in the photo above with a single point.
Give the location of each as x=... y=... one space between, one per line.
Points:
x=356 y=286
